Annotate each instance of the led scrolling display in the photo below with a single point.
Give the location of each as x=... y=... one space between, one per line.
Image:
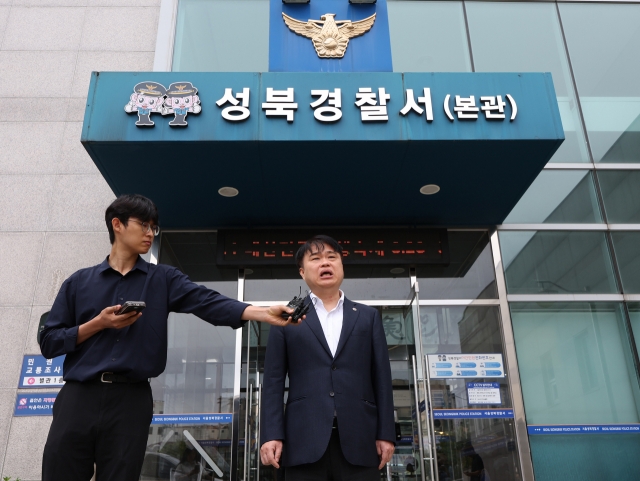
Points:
x=240 y=248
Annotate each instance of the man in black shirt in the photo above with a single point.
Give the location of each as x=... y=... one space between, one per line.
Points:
x=102 y=414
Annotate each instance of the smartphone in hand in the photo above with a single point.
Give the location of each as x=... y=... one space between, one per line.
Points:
x=131 y=306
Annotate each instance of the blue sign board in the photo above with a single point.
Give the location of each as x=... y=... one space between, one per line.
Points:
x=35 y=404
x=39 y=372
x=584 y=429
x=292 y=52
x=460 y=131
x=191 y=419
x=472 y=413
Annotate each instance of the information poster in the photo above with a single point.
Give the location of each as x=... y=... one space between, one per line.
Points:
x=40 y=372
x=35 y=404
x=456 y=366
x=483 y=393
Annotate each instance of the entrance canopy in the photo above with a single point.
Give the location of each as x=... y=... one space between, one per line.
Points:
x=316 y=149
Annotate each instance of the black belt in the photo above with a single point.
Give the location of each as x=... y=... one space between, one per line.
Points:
x=111 y=377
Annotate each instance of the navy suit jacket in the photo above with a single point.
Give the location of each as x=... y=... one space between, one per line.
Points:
x=356 y=385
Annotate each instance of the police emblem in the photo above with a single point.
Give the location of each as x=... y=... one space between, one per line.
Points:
x=147 y=99
x=330 y=37
x=181 y=99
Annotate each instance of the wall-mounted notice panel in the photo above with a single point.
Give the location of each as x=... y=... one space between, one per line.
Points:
x=451 y=366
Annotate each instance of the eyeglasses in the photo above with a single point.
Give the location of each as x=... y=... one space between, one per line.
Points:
x=146 y=227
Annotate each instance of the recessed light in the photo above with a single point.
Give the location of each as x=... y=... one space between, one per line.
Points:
x=429 y=189
x=397 y=270
x=228 y=191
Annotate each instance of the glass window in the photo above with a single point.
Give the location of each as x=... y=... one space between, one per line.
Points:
x=208 y=38
x=603 y=42
x=502 y=32
x=575 y=363
x=556 y=262
x=199 y=374
x=558 y=196
x=627 y=249
x=621 y=194
x=469 y=275
x=428 y=37
x=634 y=315
x=586 y=457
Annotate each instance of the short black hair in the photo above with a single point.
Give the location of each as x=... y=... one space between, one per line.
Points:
x=318 y=242
x=130 y=205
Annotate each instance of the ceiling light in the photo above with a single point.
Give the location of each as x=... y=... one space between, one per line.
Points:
x=397 y=270
x=429 y=189
x=228 y=191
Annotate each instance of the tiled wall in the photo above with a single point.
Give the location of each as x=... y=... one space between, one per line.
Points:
x=52 y=197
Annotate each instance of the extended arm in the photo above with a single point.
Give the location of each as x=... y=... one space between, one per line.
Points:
x=188 y=297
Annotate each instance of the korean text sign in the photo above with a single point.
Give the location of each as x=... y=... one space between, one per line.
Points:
x=39 y=372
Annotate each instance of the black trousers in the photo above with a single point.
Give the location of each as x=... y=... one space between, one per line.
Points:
x=101 y=423
x=332 y=466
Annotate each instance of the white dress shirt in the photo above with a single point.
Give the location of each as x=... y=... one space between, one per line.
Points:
x=331 y=322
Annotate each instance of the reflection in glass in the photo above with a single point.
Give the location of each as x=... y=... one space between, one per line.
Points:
x=621 y=194
x=501 y=32
x=470 y=273
x=198 y=379
x=627 y=249
x=222 y=36
x=586 y=457
x=603 y=42
x=558 y=196
x=634 y=315
x=428 y=37
x=556 y=262
x=485 y=447
x=199 y=375
x=575 y=363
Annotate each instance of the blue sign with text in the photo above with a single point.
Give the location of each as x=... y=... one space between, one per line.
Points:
x=584 y=429
x=472 y=413
x=39 y=372
x=190 y=419
x=35 y=404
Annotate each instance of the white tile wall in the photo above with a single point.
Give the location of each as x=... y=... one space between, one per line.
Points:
x=52 y=197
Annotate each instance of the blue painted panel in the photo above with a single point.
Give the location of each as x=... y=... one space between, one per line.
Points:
x=290 y=52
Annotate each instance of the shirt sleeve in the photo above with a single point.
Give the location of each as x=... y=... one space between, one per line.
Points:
x=60 y=333
x=188 y=297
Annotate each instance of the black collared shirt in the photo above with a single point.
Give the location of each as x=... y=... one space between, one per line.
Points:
x=138 y=351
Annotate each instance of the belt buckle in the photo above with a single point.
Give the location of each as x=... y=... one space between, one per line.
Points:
x=102 y=379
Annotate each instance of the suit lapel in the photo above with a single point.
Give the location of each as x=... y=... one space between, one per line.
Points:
x=349 y=317
x=313 y=323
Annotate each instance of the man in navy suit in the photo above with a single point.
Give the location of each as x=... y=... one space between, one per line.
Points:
x=338 y=423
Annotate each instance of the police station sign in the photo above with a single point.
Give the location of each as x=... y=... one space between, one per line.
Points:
x=181 y=136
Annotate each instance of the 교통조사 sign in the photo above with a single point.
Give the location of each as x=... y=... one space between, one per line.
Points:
x=39 y=372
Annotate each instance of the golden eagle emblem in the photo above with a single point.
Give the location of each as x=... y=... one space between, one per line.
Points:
x=330 y=37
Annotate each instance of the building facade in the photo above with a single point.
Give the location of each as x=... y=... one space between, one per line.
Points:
x=553 y=290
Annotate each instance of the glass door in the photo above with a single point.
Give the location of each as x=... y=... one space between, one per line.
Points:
x=471 y=417
x=407 y=463
x=413 y=459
